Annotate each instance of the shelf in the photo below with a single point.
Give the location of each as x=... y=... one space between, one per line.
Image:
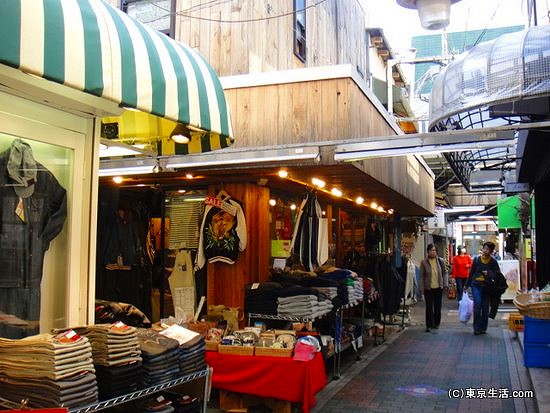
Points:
x=283 y=317
x=140 y=393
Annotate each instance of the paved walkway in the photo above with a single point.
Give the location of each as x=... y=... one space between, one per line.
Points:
x=415 y=371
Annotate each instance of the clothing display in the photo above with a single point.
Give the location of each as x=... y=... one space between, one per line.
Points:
x=310 y=240
x=33 y=210
x=182 y=286
x=223 y=231
x=48 y=370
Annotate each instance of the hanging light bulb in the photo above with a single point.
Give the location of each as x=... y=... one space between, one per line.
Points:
x=434 y=14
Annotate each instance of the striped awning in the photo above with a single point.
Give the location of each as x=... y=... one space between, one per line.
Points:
x=91 y=46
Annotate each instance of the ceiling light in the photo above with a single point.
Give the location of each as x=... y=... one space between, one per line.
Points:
x=319 y=183
x=323 y=213
x=373 y=205
x=390 y=211
x=182 y=191
x=434 y=14
x=180 y=134
x=117 y=179
x=180 y=139
x=359 y=200
x=283 y=173
x=292 y=207
x=336 y=192
x=272 y=202
x=380 y=209
x=189 y=176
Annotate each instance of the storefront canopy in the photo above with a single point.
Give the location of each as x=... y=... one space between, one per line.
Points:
x=90 y=46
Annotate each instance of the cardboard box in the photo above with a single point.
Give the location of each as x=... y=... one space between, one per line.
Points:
x=237 y=402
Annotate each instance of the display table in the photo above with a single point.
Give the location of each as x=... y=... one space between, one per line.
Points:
x=272 y=377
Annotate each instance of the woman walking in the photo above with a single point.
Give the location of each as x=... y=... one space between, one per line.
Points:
x=483 y=267
x=462 y=263
x=433 y=279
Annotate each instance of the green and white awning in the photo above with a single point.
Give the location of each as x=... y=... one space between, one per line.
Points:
x=91 y=46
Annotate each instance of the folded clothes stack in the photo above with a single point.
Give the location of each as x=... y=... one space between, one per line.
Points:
x=192 y=348
x=117 y=357
x=160 y=355
x=48 y=370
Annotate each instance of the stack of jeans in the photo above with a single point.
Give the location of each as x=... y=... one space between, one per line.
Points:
x=117 y=357
x=48 y=370
x=192 y=348
x=160 y=357
x=192 y=355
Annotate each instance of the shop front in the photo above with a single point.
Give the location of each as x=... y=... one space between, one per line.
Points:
x=64 y=66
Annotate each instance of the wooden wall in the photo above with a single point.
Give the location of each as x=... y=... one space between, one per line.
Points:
x=303 y=112
x=225 y=283
x=251 y=36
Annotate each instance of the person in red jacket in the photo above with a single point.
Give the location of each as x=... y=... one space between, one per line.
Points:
x=461 y=270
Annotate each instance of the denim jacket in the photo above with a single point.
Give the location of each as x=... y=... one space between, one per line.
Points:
x=23 y=244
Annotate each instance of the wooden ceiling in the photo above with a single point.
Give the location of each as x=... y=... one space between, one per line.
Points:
x=345 y=177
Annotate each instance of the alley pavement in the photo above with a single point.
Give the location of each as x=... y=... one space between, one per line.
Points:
x=445 y=370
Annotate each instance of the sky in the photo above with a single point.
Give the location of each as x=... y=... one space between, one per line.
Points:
x=465 y=15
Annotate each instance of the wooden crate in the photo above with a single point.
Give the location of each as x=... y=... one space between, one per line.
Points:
x=237 y=350
x=273 y=352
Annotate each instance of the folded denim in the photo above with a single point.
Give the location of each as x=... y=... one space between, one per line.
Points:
x=154 y=344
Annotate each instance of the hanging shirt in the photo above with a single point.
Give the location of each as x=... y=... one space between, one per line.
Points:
x=223 y=232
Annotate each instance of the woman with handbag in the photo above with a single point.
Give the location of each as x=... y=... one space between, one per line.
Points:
x=483 y=267
x=433 y=280
x=462 y=263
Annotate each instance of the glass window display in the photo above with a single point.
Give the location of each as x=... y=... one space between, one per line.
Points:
x=33 y=211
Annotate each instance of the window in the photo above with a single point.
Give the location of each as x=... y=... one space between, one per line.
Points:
x=300 y=29
x=157 y=14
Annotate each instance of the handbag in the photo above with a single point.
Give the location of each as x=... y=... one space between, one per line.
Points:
x=451 y=293
x=465 y=308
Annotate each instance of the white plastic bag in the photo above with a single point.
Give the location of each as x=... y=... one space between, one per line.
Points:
x=465 y=308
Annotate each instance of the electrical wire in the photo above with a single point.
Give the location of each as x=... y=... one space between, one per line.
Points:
x=485 y=29
x=182 y=14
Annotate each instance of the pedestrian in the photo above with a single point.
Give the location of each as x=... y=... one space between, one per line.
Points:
x=482 y=267
x=462 y=263
x=433 y=280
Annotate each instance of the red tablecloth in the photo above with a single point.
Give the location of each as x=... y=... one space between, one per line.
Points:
x=272 y=377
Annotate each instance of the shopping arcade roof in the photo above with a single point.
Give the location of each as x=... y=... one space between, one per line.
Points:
x=501 y=82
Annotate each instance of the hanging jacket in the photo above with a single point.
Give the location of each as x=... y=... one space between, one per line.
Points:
x=23 y=244
x=223 y=232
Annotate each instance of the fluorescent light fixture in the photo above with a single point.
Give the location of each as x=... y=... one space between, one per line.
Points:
x=111 y=151
x=114 y=167
x=135 y=170
x=233 y=157
x=341 y=154
x=109 y=148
